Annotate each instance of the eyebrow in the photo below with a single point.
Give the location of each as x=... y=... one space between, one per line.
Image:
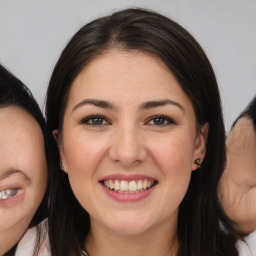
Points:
x=146 y=105
x=160 y=103
x=12 y=172
x=97 y=103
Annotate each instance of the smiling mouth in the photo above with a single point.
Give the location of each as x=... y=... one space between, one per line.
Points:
x=128 y=187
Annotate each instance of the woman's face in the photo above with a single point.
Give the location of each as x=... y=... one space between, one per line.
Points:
x=129 y=142
x=23 y=173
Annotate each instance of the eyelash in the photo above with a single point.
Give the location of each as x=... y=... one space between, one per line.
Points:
x=89 y=119
x=101 y=120
x=165 y=120
x=6 y=194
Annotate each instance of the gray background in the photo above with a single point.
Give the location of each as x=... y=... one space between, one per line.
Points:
x=34 y=32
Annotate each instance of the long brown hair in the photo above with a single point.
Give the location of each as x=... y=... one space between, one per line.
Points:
x=203 y=228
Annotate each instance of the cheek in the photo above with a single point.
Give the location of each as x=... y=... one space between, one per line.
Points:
x=17 y=217
x=14 y=221
x=35 y=191
x=18 y=214
x=174 y=159
x=82 y=154
x=174 y=154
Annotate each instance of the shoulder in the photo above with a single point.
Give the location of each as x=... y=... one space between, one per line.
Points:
x=27 y=243
x=249 y=247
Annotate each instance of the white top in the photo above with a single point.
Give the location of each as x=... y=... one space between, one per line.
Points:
x=28 y=241
x=248 y=248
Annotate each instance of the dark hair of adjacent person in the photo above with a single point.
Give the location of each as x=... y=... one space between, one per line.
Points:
x=14 y=93
x=250 y=112
x=200 y=213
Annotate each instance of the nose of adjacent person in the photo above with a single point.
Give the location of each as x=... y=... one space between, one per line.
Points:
x=127 y=148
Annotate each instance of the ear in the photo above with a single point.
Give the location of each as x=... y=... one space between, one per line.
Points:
x=57 y=138
x=200 y=144
x=55 y=134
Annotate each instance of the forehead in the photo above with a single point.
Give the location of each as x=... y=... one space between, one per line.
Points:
x=12 y=116
x=120 y=74
x=17 y=126
x=114 y=66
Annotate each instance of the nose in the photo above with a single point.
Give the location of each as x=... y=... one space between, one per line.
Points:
x=127 y=147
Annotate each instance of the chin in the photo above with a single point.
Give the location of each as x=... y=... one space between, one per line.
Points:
x=127 y=225
x=129 y=230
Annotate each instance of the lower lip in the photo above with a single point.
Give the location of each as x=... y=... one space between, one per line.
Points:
x=126 y=197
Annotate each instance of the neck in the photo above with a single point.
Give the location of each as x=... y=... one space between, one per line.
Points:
x=160 y=241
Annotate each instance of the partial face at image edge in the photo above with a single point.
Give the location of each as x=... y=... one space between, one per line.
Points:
x=23 y=173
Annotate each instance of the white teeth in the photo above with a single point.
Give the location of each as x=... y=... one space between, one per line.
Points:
x=123 y=186
x=117 y=186
x=139 y=185
x=144 y=184
x=132 y=186
x=111 y=184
